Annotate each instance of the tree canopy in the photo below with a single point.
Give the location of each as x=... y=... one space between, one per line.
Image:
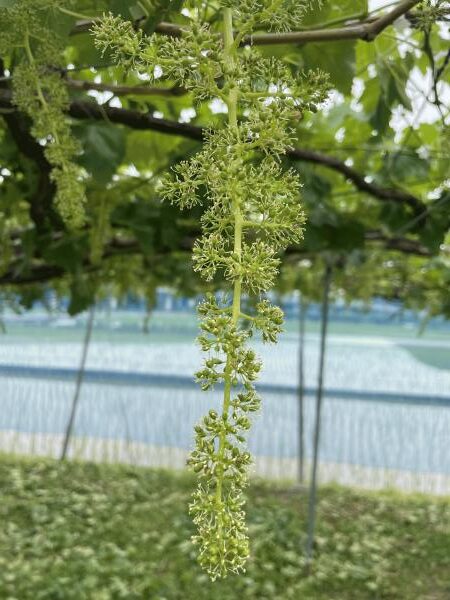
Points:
x=373 y=159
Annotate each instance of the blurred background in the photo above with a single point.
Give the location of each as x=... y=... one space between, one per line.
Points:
x=386 y=411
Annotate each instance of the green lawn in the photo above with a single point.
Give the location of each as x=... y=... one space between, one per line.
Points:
x=83 y=531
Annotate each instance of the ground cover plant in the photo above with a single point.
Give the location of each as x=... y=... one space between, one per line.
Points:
x=82 y=531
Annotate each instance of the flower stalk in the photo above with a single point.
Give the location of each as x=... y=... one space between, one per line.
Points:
x=252 y=212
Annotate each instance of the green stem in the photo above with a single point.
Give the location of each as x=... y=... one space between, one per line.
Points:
x=262 y=225
x=338 y=21
x=40 y=93
x=247 y=317
x=71 y=13
x=30 y=57
x=238 y=226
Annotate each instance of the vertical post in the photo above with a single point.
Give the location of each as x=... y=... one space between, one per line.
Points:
x=80 y=375
x=146 y=320
x=301 y=388
x=313 y=483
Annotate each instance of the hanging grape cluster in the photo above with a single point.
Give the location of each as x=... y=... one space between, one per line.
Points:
x=40 y=93
x=252 y=212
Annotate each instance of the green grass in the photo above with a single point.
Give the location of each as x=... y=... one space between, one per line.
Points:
x=83 y=531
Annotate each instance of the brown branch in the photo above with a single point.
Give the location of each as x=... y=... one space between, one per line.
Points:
x=141 y=121
x=124 y=90
x=388 y=18
x=367 y=30
x=133 y=119
x=428 y=50
x=402 y=244
x=358 y=180
x=36 y=274
x=41 y=273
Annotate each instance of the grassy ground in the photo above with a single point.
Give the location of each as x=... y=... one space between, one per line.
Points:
x=83 y=531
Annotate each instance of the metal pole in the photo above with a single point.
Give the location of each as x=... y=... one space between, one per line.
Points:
x=301 y=383
x=80 y=375
x=313 y=483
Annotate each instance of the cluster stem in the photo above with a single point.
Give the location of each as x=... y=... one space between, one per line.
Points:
x=40 y=93
x=232 y=102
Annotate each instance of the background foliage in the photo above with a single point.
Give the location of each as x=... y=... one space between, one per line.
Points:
x=374 y=162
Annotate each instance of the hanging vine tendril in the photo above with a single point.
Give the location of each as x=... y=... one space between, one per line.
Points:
x=253 y=212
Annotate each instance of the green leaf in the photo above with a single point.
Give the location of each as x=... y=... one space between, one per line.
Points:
x=381 y=117
x=336 y=58
x=345 y=236
x=82 y=296
x=394 y=216
x=104 y=149
x=335 y=9
x=160 y=13
x=67 y=253
x=437 y=224
x=152 y=12
x=406 y=166
x=59 y=23
x=393 y=81
x=122 y=8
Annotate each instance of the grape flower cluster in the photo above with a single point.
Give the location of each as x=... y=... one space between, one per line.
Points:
x=252 y=212
x=40 y=93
